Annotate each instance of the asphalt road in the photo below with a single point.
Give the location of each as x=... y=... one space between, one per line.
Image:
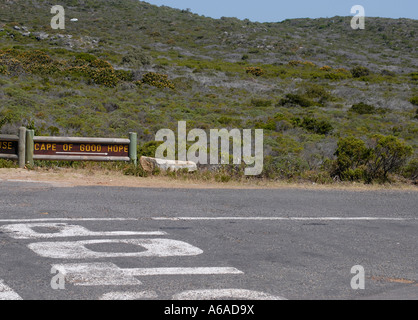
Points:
x=130 y=243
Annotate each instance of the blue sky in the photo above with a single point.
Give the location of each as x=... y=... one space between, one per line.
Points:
x=278 y=10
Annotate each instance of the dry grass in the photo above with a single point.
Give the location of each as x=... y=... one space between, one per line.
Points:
x=66 y=177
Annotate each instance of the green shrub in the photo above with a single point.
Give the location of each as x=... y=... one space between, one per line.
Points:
x=388 y=155
x=8 y=164
x=157 y=80
x=134 y=170
x=4 y=120
x=3 y=70
x=357 y=174
x=414 y=76
x=85 y=57
x=284 y=167
x=360 y=71
x=105 y=76
x=363 y=108
x=410 y=171
x=148 y=149
x=221 y=177
x=261 y=103
x=228 y=121
x=352 y=155
x=256 y=71
x=317 y=92
x=296 y=99
x=136 y=58
x=336 y=76
x=270 y=124
x=414 y=100
x=317 y=126
x=124 y=75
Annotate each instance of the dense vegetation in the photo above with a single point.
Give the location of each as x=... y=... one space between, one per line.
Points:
x=335 y=103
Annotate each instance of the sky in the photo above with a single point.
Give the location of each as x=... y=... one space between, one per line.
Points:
x=279 y=10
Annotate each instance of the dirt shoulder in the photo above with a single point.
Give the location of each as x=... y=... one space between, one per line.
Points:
x=82 y=177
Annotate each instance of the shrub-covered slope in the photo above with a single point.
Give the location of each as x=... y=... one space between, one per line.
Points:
x=127 y=65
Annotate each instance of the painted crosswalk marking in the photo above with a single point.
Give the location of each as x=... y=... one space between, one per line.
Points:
x=109 y=274
x=211 y=218
x=63 y=230
x=78 y=249
x=216 y=294
x=6 y=293
x=129 y=295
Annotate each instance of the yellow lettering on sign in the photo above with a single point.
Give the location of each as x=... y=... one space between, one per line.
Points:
x=42 y=147
x=37 y=146
x=67 y=147
x=6 y=145
x=126 y=149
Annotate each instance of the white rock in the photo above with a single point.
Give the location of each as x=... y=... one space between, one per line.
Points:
x=149 y=164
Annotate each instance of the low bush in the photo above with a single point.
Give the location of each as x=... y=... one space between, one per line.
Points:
x=261 y=103
x=8 y=164
x=360 y=71
x=414 y=100
x=136 y=58
x=356 y=161
x=157 y=80
x=388 y=155
x=255 y=71
x=296 y=99
x=352 y=155
x=4 y=120
x=363 y=108
x=410 y=171
x=317 y=92
x=105 y=76
x=317 y=126
x=148 y=149
x=325 y=68
x=124 y=75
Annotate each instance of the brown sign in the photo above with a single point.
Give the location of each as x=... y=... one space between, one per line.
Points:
x=81 y=149
x=8 y=147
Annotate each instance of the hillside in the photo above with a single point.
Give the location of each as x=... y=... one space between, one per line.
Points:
x=127 y=65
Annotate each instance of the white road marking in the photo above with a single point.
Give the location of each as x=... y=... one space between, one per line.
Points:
x=129 y=295
x=62 y=230
x=95 y=274
x=6 y=293
x=217 y=294
x=78 y=250
x=282 y=219
x=109 y=274
x=210 y=218
x=181 y=271
x=67 y=220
